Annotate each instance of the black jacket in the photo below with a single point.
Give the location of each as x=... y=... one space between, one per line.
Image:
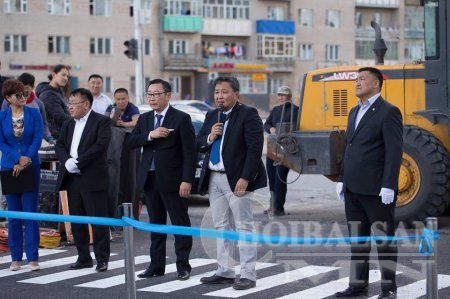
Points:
x=275 y=116
x=55 y=106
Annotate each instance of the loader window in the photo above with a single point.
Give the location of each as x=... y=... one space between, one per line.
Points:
x=431 y=9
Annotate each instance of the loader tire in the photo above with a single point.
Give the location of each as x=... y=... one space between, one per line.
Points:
x=424 y=181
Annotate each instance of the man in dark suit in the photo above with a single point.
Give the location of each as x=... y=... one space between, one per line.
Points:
x=81 y=150
x=368 y=182
x=232 y=137
x=166 y=174
x=286 y=112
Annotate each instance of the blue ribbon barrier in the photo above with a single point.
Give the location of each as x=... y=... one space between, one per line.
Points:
x=425 y=247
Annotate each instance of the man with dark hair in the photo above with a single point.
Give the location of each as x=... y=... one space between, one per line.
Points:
x=166 y=174
x=232 y=137
x=101 y=100
x=81 y=149
x=368 y=182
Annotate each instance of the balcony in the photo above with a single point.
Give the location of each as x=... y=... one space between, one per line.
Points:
x=414 y=33
x=227 y=27
x=183 y=62
x=378 y=3
x=281 y=65
x=182 y=23
x=388 y=33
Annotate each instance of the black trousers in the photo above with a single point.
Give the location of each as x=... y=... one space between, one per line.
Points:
x=366 y=214
x=159 y=204
x=88 y=203
x=277 y=183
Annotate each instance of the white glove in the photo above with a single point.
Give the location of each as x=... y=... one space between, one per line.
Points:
x=71 y=165
x=340 y=191
x=387 y=195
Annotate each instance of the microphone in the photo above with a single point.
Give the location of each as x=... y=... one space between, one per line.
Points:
x=219 y=115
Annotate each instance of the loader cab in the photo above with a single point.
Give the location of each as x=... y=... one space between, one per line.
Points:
x=437 y=70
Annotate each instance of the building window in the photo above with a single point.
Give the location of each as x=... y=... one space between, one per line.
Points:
x=183 y=8
x=15 y=43
x=59 y=45
x=177 y=46
x=15 y=6
x=147 y=47
x=230 y=9
x=275 y=46
x=333 y=18
x=392 y=50
x=107 y=85
x=414 y=17
x=248 y=85
x=100 y=8
x=305 y=17
x=332 y=52
x=100 y=45
x=59 y=7
x=414 y=50
x=175 y=82
x=275 y=13
x=363 y=49
x=146 y=10
x=275 y=84
x=305 y=52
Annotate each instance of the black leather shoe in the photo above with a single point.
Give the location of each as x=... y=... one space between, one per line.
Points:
x=81 y=265
x=388 y=295
x=184 y=275
x=101 y=266
x=150 y=273
x=244 y=284
x=216 y=279
x=352 y=292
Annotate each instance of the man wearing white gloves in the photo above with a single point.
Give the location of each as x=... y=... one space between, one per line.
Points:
x=368 y=182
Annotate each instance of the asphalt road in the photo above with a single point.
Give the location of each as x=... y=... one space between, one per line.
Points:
x=284 y=271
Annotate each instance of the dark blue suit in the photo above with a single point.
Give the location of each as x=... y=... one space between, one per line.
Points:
x=13 y=148
x=372 y=160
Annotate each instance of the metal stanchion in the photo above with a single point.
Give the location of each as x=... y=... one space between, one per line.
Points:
x=432 y=279
x=127 y=211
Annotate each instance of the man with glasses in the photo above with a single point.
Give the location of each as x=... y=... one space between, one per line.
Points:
x=81 y=149
x=166 y=173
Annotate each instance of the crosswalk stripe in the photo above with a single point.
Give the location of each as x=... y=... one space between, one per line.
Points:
x=42 y=252
x=120 y=279
x=177 y=285
x=43 y=265
x=329 y=288
x=46 y=279
x=419 y=288
x=273 y=281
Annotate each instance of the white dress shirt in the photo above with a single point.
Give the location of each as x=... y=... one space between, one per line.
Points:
x=101 y=103
x=77 y=132
x=363 y=108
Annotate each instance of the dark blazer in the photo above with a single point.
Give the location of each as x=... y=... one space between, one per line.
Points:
x=373 y=152
x=275 y=116
x=241 y=150
x=91 y=152
x=175 y=156
x=28 y=144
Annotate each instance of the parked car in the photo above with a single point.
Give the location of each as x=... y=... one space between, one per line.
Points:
x=201 y=106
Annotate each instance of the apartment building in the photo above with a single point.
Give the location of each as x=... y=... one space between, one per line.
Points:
x=265 y=43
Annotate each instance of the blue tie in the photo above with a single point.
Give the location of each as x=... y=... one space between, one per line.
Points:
x=215 y=149
x=158 y=124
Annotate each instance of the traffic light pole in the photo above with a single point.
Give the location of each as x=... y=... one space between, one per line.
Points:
x=138 y=69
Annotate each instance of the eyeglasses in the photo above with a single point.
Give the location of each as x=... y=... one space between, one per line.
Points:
x=21 y=95
x=155 y=95
x=75 y=103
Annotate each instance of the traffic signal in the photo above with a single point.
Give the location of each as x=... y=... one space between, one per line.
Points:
x=132 y=49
